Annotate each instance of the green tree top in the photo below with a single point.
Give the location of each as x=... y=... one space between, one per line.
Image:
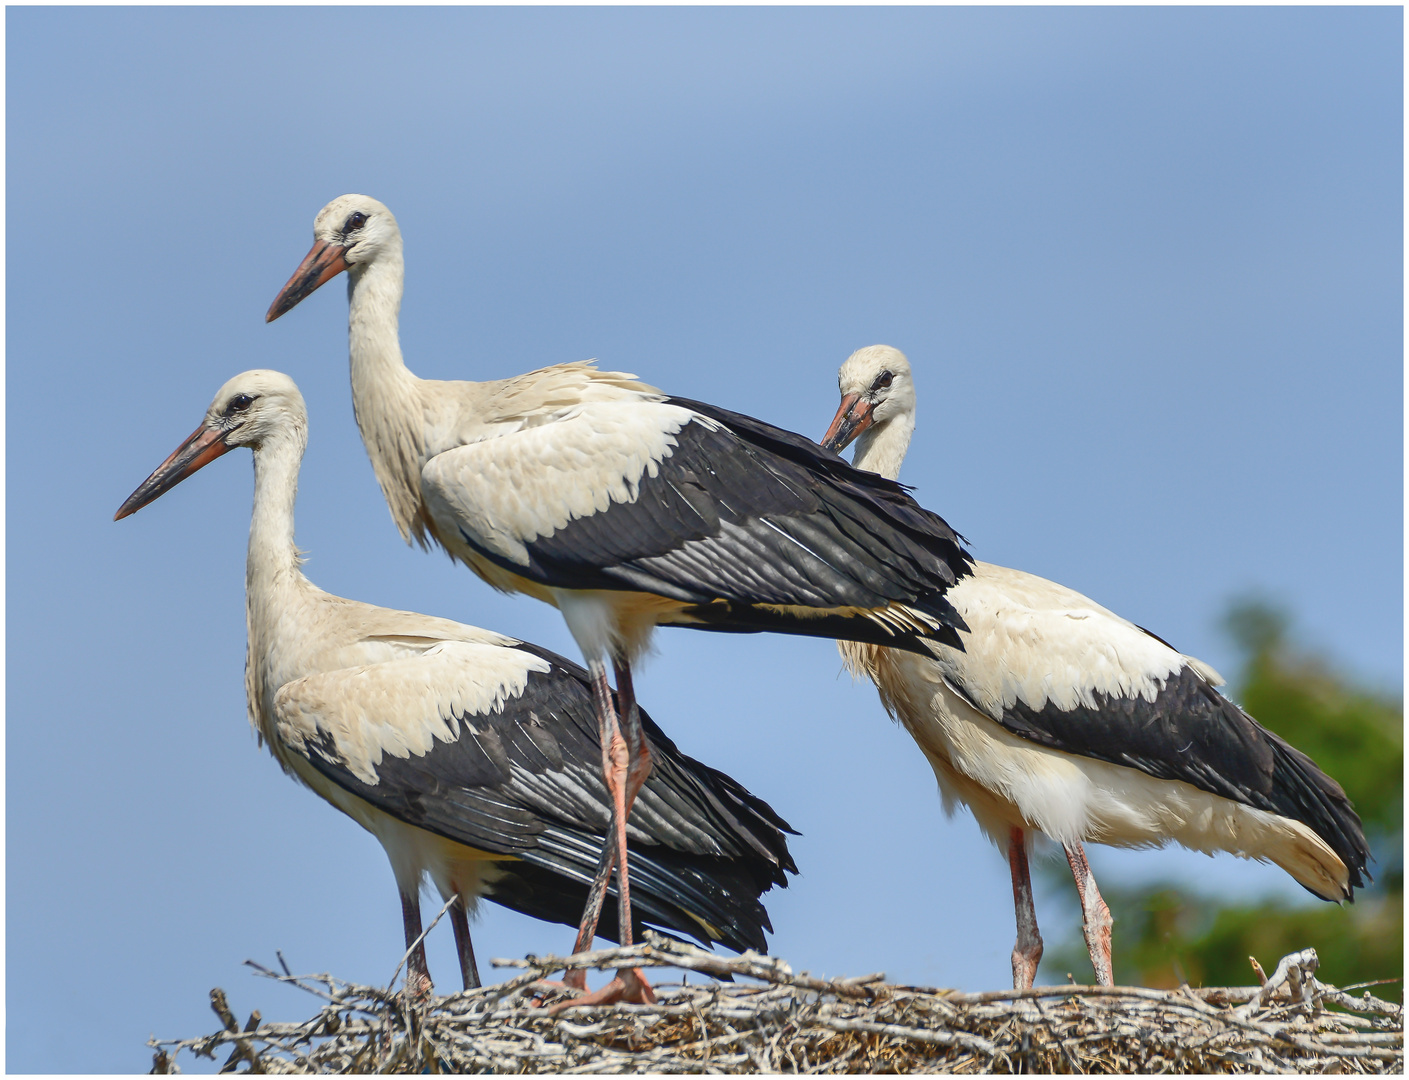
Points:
x=1354 y=734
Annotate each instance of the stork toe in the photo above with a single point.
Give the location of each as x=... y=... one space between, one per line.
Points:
x=629 y=987
x=419 y=988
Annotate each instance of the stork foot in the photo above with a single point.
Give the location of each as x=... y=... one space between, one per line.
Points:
x=574 y=980
x=419 y=988
x=1095 y=915
x=629 y=986
x=1025 y=963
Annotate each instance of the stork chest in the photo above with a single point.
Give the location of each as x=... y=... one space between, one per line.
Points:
x=960 y=741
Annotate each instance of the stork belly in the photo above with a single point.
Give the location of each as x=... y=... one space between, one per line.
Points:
x=1007 y=781
x=413 y=852
x=616 y=622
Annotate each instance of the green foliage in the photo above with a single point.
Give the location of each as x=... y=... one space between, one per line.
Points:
x=1166 y=933
x=1355 y=735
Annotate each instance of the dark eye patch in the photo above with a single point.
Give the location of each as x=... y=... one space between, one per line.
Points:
x=238 y=404
x=884 y=379
x=355 y=221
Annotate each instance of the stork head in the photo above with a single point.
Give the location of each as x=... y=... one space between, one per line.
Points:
x=251 y=410
x=351 y=231
x=875 y=389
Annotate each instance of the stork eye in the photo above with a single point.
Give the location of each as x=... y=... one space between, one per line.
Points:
x=884 y=379
x=354 y=221
x=238 y=404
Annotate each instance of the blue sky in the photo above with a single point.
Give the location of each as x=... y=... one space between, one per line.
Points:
x=1146 y=262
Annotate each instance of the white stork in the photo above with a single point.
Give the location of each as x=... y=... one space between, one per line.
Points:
x=472 y=757
x=1060 y=717
x=623 y=507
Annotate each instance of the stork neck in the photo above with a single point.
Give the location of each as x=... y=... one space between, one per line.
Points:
x=881 y=449
x=374 y=310
x=385 y=395
x=273 y=583
x=273 y=559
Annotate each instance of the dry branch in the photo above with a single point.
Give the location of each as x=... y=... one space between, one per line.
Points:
x=771 y=1020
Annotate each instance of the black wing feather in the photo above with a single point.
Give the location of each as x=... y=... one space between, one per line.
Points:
x=525 y=782
x=1192 y=733
x=669 y=890
x=743 y=514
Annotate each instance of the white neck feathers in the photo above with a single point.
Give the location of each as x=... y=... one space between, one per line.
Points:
x=881 y=448
x=386 y=397
x=272 y=553
x=272 y=575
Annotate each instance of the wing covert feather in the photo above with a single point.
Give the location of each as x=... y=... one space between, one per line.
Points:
x=487 y=746
x=662 y=497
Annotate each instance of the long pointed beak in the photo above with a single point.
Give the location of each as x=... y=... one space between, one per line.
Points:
x=198 y=451
x=851 y=420
x=323 y=262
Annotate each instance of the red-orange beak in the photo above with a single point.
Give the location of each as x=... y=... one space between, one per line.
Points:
x=198 y=451
x=323 y=262
x=852 y=419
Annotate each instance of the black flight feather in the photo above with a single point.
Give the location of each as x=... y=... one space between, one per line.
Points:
x=743 y=514
x=1192 y=733
x=525 y=782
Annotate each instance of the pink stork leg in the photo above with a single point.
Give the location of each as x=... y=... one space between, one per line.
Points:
x=639 y=755
x=418 y=978
x=1095 y=916
x=626 y=762
x=1027 y=951
x=459 y=919
x=596 y=894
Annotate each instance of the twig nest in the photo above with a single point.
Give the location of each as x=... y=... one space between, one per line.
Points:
x=768 y=1019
